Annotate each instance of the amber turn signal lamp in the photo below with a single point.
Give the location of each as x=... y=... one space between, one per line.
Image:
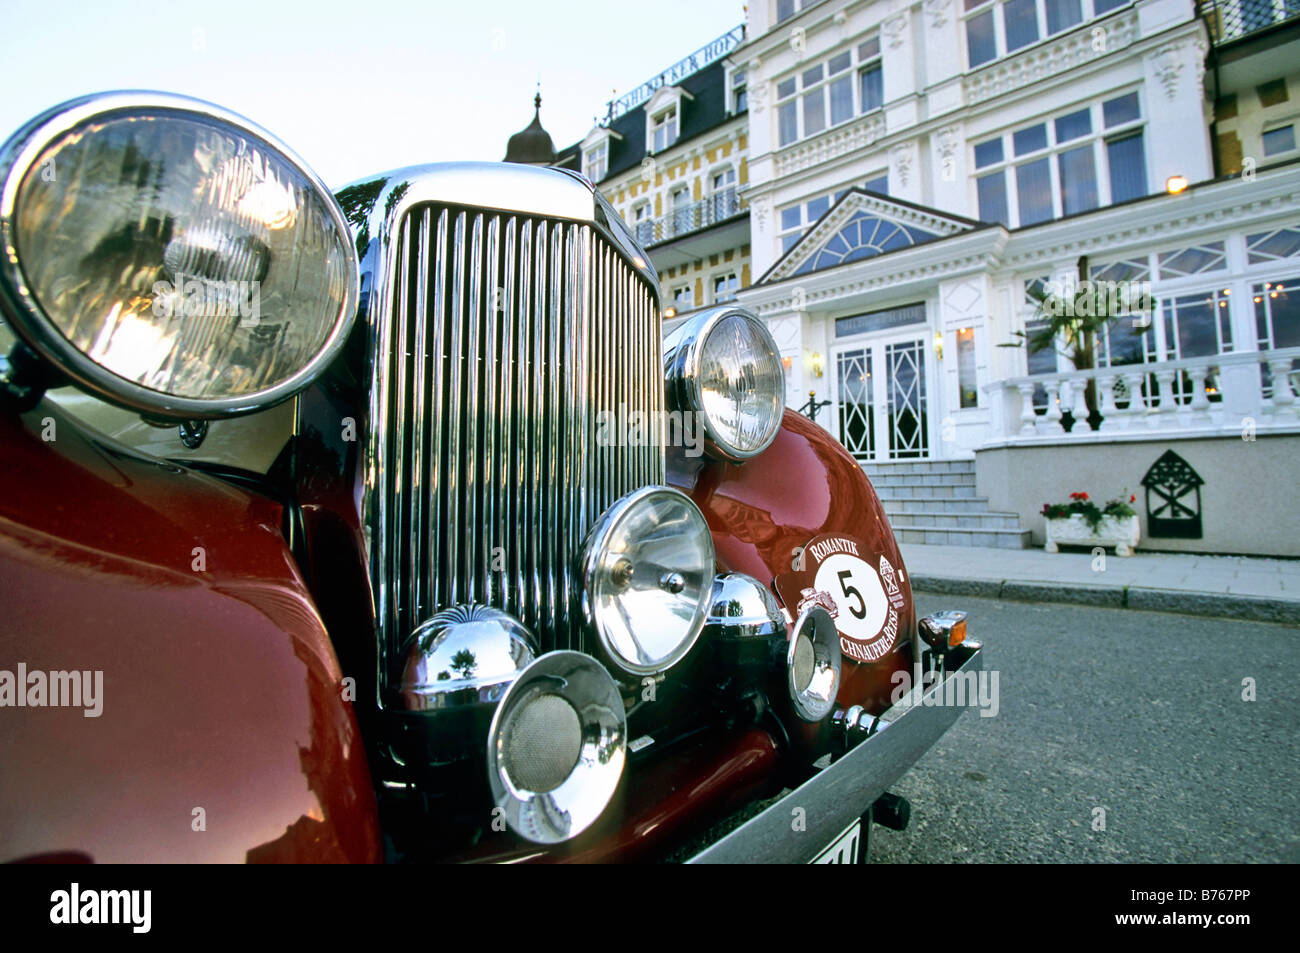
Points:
x=943 y=630
x=957 y=634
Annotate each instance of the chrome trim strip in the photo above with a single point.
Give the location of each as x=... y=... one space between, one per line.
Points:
x=846 y=789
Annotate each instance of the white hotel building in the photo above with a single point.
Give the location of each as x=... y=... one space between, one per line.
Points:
x=914 y=167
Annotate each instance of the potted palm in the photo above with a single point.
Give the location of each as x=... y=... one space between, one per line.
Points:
x=1081 y=522
x=1077 y=317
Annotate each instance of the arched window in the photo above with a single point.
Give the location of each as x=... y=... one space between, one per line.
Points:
x=865 y=236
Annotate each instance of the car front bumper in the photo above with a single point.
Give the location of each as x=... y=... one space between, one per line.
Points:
x=798 y=827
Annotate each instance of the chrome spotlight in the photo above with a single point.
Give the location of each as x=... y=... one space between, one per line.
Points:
x=647 y=572
x=746 y=634
x=465 y=655
x=458 y=665
x=556 y=747
x=813 y=665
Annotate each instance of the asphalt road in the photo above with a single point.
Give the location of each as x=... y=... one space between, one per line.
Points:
x=1137 y=713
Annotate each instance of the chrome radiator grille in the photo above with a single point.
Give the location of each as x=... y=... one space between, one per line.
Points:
x=503 y=339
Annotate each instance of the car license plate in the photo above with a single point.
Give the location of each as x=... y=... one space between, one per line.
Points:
x=844 y=849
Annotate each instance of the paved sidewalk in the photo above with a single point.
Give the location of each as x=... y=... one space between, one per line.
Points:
x=1266 y=590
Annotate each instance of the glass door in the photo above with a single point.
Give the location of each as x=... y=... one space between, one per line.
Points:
x=883 y=415
x=857 y=419
x=909 y=432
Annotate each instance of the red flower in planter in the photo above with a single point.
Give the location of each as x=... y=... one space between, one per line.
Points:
x=1132 y=498
x=1078 y=496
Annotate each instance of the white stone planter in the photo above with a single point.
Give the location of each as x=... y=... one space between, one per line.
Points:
x=1122 y=532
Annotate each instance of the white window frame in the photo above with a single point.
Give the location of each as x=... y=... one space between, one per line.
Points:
x=596 y=159
x=730 y=276
x=1087 y=9
x=668 y=119
x=1098 y=136
x=737 y=83
x=1273 y=127
x=797 y=7
x=859 y=62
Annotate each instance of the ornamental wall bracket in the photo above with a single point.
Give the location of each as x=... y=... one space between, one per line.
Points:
x=1201 y=48
x=947 y=140
x=1168 y=63
x=895 y=28
x=937 y=11
x=901 y=155
x=762 y=208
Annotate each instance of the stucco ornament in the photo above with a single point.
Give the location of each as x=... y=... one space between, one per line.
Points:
x=901 y=155
x=757 y=93
x=947 y=141
x=896 y=29
x=1168 y=64
x=937 y=10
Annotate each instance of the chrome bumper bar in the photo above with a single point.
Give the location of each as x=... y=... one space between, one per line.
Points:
x=838 y=794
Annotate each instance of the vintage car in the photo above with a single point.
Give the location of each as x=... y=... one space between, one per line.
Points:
x=386 y=526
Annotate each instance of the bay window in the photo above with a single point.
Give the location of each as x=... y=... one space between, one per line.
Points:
x=1277 y=320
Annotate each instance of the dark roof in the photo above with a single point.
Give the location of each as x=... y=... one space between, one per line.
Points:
x=533 y=144
x=697 y=116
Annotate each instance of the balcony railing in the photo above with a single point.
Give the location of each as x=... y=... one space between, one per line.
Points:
x=685 y=219
x=1239 y=393
x=1230 y=20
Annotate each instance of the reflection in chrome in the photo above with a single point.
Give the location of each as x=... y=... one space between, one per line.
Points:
x=556 y=747
x=742 y=607
x=813 y=665
x=465 y=655
x=647 y=573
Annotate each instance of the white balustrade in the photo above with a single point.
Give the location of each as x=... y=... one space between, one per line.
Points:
x=1209 y=395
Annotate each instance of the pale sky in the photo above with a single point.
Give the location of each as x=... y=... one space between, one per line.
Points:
x=362 y=87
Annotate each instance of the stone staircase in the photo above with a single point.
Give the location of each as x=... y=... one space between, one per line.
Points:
x=934 y=501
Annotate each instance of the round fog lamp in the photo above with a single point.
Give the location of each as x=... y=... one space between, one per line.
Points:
x=813 y=665
x=556 y=747
x=647 y=577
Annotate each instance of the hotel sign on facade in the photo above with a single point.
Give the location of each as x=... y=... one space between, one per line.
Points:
x=709 y=53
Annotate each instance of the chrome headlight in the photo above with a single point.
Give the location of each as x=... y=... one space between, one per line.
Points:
x=647 y=575
x=171 y=257
x=724 y=366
